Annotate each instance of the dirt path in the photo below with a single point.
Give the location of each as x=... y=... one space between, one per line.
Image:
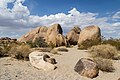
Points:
x=12 y=69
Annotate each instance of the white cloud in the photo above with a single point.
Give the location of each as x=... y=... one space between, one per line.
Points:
x=19 y=20
x=117 y=24
x=116 y=15
x=19 y=11
x=3 y=3
x=20 y=1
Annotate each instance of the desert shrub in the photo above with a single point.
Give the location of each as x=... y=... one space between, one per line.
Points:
x=2 y=54
x=5 y=48
x=39 y=42
x=14 y=49
x=31 y=44
x=52 y=45
x=88 y=43
x=68 y=44
x=112 y=42
x=47 y=49
x=104 y=64
x=54 y=51
x=117 y=57
x=103 y=51
x=21 y=52
x=62 y=49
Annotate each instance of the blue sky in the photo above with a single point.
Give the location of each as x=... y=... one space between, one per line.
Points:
x=20 y=16
x=47 y=7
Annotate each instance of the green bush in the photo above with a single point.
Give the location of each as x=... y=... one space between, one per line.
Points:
x=39 y=42
x=30 y=43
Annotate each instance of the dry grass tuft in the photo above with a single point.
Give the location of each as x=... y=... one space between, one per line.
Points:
x=62 y=49
x=104 y=64
x=5 y=49
x=113 y=42
x=47 y=49
x=103 y=51
x=21 y=52
x=88 y=43
x=2 y=54
x=56 y=50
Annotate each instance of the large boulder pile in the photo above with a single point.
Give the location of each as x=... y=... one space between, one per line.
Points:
x=55 y=37
x=34 y=34
x=86 y=67
x=90 y=34
x=42 y=61
x=52 y=35
x=73 y=35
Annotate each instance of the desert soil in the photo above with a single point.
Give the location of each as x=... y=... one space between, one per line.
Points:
x=12 y=69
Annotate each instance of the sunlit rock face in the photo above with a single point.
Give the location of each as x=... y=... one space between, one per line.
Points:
x=86 y=67
x=90 y=33
x=34 y=34
x=54 y=36
x=73 y=35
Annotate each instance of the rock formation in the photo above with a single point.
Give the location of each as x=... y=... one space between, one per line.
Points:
x=41 y=60
x=90 y=33
x=34 y=34
x=86 y=67
x=73 y=35
x=60 y=40
x=54 y=36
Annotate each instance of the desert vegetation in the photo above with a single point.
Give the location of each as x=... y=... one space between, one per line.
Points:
x=5 y=47
x=42 y=49
x=39 y=42
x=103 y=55
x=15 y=49
x=88 y=43
x=58 y=49
x=20 y=52
x=105 y=65
x=102 y=51
x=113 y=42
x=106 y=51
x=62 y=49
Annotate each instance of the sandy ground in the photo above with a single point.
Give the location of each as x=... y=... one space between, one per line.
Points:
x=12 y=69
